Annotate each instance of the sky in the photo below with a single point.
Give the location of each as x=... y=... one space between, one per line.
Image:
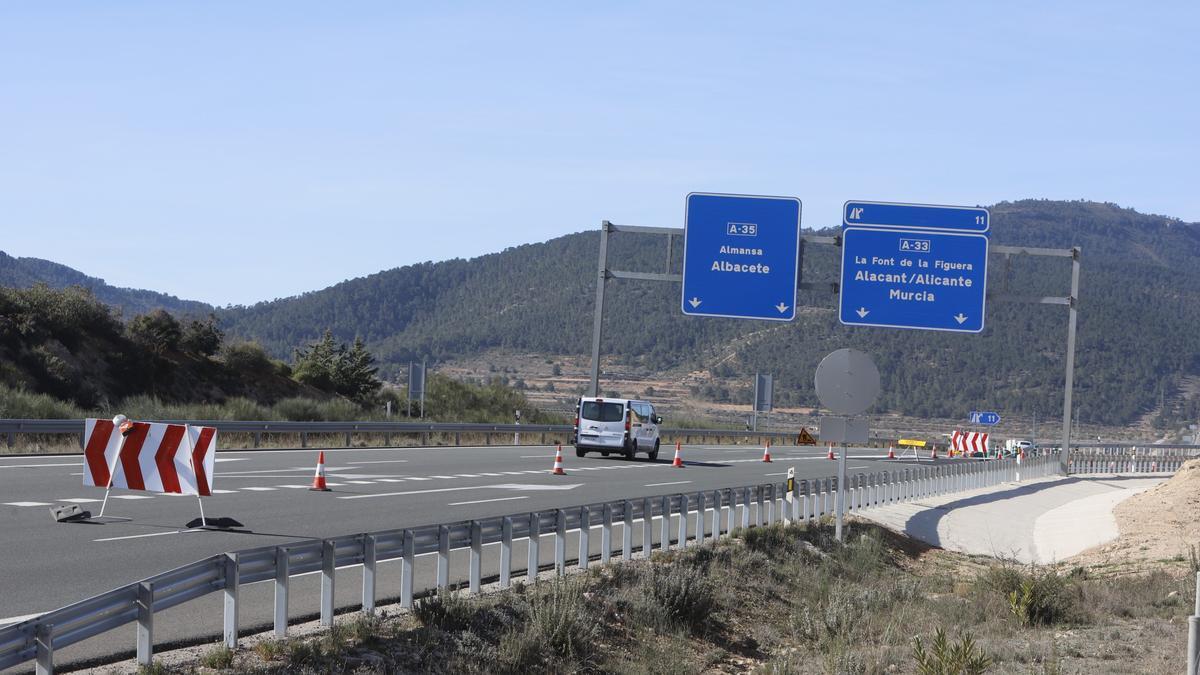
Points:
x=236 y=152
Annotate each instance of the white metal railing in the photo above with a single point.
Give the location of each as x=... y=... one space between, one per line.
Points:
x=702 y=515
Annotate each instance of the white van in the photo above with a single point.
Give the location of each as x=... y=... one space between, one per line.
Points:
x=616 y=425
x=1015 y=446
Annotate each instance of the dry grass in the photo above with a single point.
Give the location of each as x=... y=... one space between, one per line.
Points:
x=776 y=600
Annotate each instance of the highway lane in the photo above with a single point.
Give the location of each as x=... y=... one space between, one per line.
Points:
x=46 y=565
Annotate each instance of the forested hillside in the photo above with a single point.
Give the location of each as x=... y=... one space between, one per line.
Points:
x=1140 y=301
x=1139 y=305
x=25 y=272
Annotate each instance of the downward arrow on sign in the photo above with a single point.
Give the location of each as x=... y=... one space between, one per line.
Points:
x=781 y=307
x=960 y=318
x=694 y=302
x=862 y=312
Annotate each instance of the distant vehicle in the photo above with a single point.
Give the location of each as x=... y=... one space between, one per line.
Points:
x=616 y=425
x=1014 y=446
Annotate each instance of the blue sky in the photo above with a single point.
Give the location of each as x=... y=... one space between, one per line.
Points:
x=236 y=152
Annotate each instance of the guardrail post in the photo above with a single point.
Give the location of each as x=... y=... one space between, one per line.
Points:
x=281 y=591
x=406 y=570
x=627 y=530
x=758 y=512
x=506 y=552
x=827 y=509
x=476 y=565
x=746 y=508
x=443 y=559
x=585 y=536
x=647 y=527
x=368 y=589
x=606 y=519
x=560 y=542
x=327 y=571
x=664 y=543
x=716 y=516
x=257 y=438
x=457 y=438
x=304 y=439
x=229 y=564
x=700 y=513
x=683 y=518
x=145 y=623
x=535 y=540
x=43 y=641
x=347 y=439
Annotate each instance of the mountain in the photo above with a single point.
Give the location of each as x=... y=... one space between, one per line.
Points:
x=25 y=272
x=1139 y=304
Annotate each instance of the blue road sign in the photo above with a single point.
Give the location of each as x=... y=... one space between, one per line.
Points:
x=741 y=256
x=988 y=418
x=914 y=266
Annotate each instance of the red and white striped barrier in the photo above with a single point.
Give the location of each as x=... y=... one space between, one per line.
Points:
x=155 y=457
x=969 y=442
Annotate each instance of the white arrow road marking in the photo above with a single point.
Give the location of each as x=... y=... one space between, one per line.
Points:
x=781 y=307
x=674 y=482
x=960 y=318
x=694 y=302
x=485 y=501
x=862 y=312
x=512 y=486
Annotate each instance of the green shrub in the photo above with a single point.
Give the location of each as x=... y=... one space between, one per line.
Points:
x=559 y=620
x=20 y=404
x=960 y=658
x=444 y=610
x=677 y=596
x=247 y=357
x=1040 y=599
x=269 y=650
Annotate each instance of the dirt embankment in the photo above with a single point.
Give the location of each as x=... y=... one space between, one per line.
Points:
x=1159 y=525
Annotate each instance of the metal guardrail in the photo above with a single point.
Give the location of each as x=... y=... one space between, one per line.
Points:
x=11 y=428
x=1126 y=462
x=702 y=516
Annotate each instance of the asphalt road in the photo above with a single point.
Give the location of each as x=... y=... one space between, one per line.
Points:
x=45 y=565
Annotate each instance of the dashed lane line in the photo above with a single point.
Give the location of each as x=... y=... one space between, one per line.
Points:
x=485 y=501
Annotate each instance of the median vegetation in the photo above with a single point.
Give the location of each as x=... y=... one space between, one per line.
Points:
x=772 y=600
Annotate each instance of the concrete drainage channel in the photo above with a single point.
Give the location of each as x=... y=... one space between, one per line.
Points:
x=682 y=517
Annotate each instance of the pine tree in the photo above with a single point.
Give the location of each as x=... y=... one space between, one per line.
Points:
x=356 y=373
x=318 y=365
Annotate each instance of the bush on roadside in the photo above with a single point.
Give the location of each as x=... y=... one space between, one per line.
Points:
x=677 y=596
x=1035 y=597
x=218 y=657
x=960 y=658
x=444 y=610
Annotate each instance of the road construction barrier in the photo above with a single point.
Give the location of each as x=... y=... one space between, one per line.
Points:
x=149 y=456
x=701 y=516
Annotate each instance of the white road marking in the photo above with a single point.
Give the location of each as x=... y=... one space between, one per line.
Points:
x=78 y=500
x=466 y=475
x=132 y=497
x=223 y=492
x=381 y=461
x=17 y=619
x=34 y=466
x=259 y=489
x=424 y=478
x=537 y=456
x=294 y=487
x=491 y=474
x=674 y=482
x=485 y=501
x=510 y=486
x=26 y=504
x=410 y=492
x=391 y=480
x=361 y=482
x=512 y=473
x=151 y=534
x=231 y=459
x=442 y=477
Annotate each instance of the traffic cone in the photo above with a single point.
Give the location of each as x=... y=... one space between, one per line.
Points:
x=933 y=452
x=830 y=455
x=767 y=451
x=558 y=468
x=319 y=478
x=891 y=453
x=678 y=463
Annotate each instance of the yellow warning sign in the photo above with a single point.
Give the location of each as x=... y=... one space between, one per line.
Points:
x=911 y=443
x=805 y=438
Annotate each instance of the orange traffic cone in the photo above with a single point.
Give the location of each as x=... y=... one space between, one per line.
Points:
x=933 y=452
x=319 y=478
x=891 y=453
x=558 y=468
x=830 y=455
x=767 y=451
x=678 y=463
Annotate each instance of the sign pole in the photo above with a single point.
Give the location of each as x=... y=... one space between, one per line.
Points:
x=1064 y=456
x=598 y=320
x=841 y=493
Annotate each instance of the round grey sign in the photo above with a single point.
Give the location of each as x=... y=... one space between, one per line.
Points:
x=847 y=382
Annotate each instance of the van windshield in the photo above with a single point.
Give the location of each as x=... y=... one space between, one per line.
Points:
x=602 y=412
